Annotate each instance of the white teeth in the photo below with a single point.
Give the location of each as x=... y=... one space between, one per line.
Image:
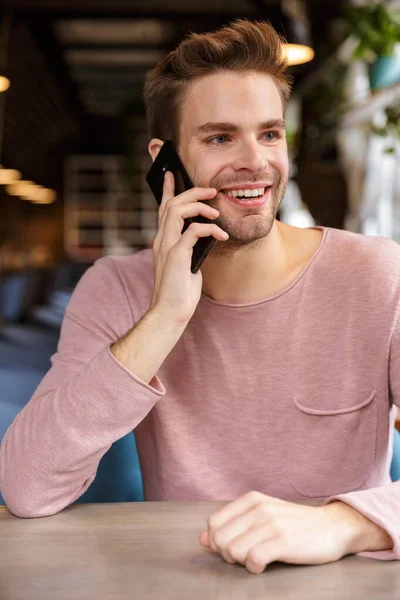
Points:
x=246 y=193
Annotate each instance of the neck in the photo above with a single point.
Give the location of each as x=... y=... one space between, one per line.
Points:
x=251 y=274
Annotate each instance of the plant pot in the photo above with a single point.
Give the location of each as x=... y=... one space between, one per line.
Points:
x=384 y=72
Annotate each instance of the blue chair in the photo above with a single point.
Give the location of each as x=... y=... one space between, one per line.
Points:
x=395 y=465
x=118 y=477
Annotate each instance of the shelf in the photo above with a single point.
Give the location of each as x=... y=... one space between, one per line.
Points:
x=109 y=219
x=364 y=112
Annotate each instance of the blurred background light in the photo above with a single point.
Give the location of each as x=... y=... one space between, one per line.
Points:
x=43 y=195
x=8 y=176
x=4 y=83
x=298 y=54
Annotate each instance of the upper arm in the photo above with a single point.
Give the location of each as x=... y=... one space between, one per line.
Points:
x=98 y=314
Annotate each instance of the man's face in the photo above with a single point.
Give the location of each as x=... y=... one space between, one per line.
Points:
x=232 y=138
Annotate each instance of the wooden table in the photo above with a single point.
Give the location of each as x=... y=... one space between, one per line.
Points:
x=139 y=551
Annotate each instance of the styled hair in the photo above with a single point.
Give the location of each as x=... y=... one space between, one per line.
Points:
x=241 y=46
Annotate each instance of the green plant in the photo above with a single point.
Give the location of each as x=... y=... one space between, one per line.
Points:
x=392 y=127
x=376 y=27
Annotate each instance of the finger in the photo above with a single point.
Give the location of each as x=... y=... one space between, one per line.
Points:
x=234 y=547
x=174 y=220
x=233 y=540
x=263 y=555
x=239 y=547
x=196 y=231
x=168 y=192
x=189 y=196
x=204 y=542
x=194 y=194
x=204 y=539
x=232 y=510
x=168 y=187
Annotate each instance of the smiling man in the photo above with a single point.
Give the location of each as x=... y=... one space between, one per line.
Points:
x=268 y=378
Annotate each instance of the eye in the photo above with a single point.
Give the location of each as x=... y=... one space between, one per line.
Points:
x=218 y=140
x=271 y=136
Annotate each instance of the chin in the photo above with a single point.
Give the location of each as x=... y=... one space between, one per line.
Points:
x=242 y=240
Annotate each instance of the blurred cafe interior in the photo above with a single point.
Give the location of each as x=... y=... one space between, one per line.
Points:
x=73 y=141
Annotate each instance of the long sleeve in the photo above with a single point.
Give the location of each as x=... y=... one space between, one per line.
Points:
x=50 y=454
x=382 y=504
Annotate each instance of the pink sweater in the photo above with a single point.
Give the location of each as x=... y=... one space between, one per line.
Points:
x=292 y=396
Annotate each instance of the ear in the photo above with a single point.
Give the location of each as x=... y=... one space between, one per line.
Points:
x=154 y=147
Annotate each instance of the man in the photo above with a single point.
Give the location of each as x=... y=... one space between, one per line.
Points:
x=267 y=378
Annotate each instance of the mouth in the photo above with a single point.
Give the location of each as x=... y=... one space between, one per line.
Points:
x=247 y=197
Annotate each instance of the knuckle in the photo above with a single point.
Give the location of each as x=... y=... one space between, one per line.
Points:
x=169 y=208
x=254 y=557
x=264 y=509
x=235 y=552
x=211 y=522
x=279 y=532
x=255 y=496
x=219 y=540
x=195 y=227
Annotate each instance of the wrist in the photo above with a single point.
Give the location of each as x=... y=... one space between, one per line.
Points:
x=143 y=349
x=358 y=533
x=161 y=318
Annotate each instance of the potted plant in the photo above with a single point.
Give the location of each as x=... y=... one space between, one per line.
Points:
x=377 y=28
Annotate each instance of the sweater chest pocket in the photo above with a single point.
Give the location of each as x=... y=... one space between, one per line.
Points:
x=332 y=451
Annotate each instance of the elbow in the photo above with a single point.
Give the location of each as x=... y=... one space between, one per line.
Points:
x=29 y=501
x=25 y=508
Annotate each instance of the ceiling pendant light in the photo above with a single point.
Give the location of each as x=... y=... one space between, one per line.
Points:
x=4 y=83
x=290 y=19
x=8 y=176
x=298 y=54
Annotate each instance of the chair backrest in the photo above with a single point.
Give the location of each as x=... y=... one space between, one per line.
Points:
x=395 y=464
x=118 y=477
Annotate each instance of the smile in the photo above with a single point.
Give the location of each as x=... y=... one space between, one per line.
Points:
x=247 y=197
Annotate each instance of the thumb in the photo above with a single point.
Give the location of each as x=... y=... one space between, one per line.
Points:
x=204 y=539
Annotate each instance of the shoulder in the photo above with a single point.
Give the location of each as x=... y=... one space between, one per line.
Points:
x=360 y=274
x=125 y=282
x=134 y=275
x=358 y=255
x=138 y=265
x=122 y=269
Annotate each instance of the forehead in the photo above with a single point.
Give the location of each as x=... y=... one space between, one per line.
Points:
x=240 y=98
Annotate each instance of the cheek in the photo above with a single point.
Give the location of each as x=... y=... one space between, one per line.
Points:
x=282 y=165
x=207 y=169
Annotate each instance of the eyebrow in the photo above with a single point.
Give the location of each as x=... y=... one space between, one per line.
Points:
x=231 y=127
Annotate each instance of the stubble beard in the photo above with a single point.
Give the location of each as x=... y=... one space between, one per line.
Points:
x=255 y=224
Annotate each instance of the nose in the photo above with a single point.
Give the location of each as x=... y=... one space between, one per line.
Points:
x=250 y=156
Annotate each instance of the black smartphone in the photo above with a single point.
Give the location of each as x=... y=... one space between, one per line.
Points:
x=168 y=160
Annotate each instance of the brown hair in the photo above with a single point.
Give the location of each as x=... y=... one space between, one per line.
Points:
x=240 y=46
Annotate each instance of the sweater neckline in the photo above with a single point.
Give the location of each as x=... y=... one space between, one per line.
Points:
x=285 y=290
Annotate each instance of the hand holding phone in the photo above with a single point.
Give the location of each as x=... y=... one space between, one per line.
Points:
x=177 y=289
x=169 y=160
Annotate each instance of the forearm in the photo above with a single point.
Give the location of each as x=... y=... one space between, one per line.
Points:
x=50 y=453
x=144 y=348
